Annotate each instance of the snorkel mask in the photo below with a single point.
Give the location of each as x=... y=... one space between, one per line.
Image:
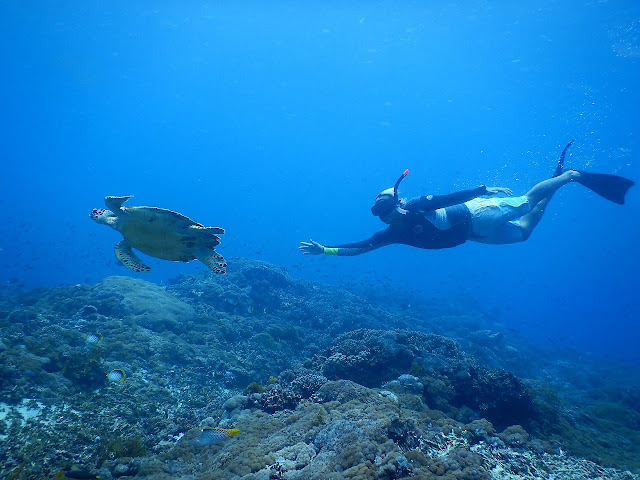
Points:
x=387 y=200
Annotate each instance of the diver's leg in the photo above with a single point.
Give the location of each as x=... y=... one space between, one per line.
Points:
x=518 y=230
x=546 y=188
x=539 y=197
x=529 y=221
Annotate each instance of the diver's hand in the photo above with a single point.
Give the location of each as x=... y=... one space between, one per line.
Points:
x=496 y=190
x=311 y=248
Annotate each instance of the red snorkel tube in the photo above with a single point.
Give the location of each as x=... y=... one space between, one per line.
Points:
x=395 y=187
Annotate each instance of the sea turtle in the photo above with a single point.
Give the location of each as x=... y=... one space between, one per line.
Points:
x=159 y=233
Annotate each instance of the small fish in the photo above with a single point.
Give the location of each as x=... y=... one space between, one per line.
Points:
x=75 y=474
x=250 y=309
x=116 y=375
x=212 y=435
x=93 y=338
x=232 y=301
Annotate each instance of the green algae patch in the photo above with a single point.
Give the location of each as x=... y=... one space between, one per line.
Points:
x=254 y=387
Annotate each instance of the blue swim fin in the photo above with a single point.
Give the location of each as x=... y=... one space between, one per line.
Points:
x=611 y=187
x=560 y=166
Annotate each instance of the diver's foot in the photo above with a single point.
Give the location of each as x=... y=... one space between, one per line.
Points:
x=572 y=175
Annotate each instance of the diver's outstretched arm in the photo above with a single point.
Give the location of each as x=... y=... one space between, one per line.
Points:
x=311 y=248
x=347 y=249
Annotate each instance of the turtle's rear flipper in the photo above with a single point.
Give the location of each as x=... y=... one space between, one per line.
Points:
x=208 y=234
x=128 y=258
x=213 y=260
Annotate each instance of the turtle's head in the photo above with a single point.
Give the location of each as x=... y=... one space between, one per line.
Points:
x=103 y=216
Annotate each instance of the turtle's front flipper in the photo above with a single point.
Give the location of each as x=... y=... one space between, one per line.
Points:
x=213 y=260
x=114 y=203
x=128 y=258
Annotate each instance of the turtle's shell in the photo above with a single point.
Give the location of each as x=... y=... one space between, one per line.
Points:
x=159 y=232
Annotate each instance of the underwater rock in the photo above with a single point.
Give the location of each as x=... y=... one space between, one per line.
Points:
x=232 y=409
x=405 y=383
x=343 y=391
x=367 y=357
x=370 y=357
x=124 y=469
x=447 y=377
x=303 y=381
x=265 y=281
x=276 y=397
x=486 y=337
x=84 y=369
x=234 y=403
x=146 y=304
x=295 y=457
x=480 y=430
x=291 y=387
x=500 y=396
x=88 y=311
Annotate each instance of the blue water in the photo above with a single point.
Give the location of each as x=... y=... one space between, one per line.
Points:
x=281 y=121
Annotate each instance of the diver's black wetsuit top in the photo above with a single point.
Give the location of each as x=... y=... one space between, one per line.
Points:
x=416 y=230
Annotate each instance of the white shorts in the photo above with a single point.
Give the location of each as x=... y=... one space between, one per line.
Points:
x=496 y=220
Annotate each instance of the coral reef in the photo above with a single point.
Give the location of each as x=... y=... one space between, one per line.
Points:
x=290 y=387
x=322 y=384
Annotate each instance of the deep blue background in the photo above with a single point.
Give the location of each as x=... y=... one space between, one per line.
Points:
x=280 y=121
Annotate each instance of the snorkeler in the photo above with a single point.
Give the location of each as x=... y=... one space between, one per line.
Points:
x=445 y=221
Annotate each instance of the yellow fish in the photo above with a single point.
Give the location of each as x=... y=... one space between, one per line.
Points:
x=212 y=435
